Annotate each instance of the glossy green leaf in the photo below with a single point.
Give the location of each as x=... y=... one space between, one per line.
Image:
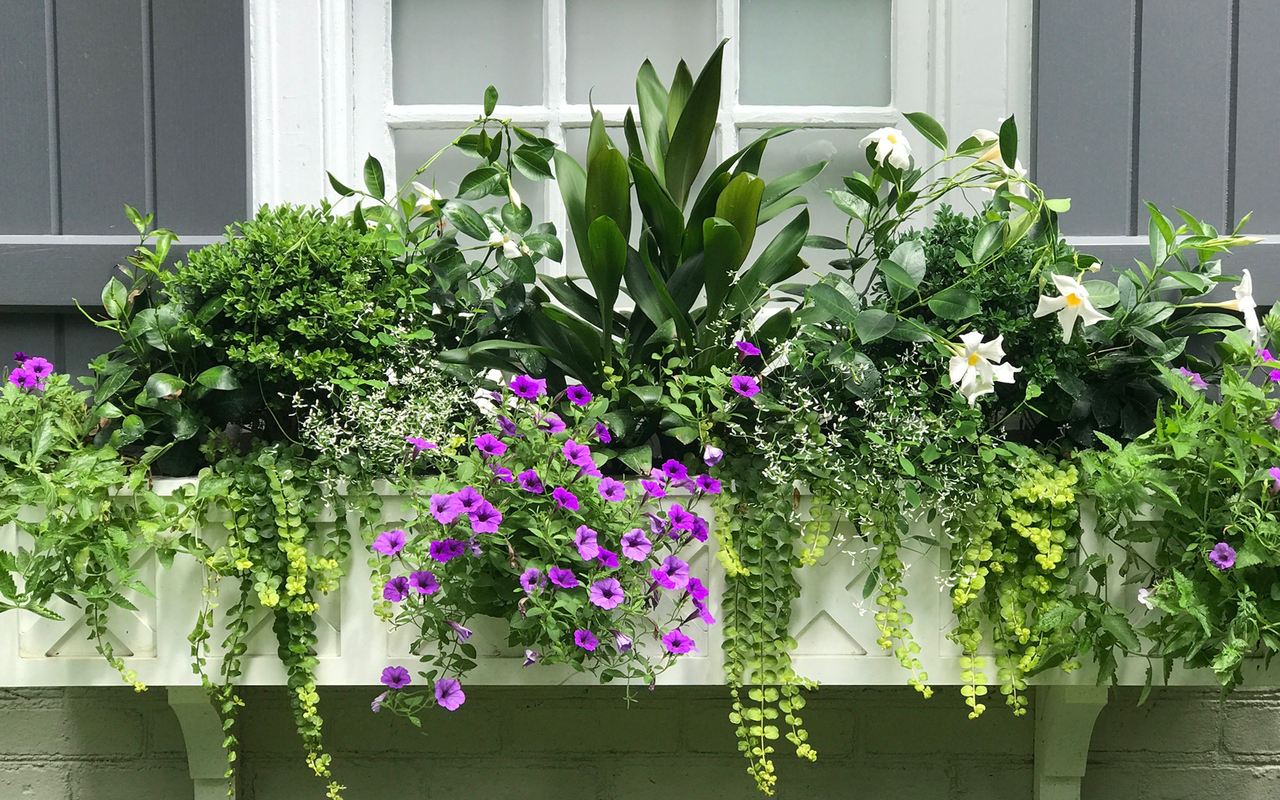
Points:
x=929 y=128
x=692 y=136
x=652 y=98
x=723 y=254
x=482 y=182
x=678 y=97
x=221 y=378
x=1009 y=142
x=490 y=100
x=739 y=205
x=373 y=177
x=609 y=190
x=659 y=211
x=466 y=219
x=954 y=303
x=988 y=241
x=572 y=180
x=775 y=264
x=604 y=270
x=873 y=324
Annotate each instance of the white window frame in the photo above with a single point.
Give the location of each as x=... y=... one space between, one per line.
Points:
x=321 y=78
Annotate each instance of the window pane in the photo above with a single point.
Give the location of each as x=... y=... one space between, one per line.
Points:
x=608 y=40
x=415 y=147
x=448 y=51
x=800 y=149
x=816 y=52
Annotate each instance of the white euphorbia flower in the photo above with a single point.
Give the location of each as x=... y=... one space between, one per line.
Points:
x=1144 y=597
x=1248 y=308
x=973 y=368
x=510 y=247
x=891 y=145
x=427 y=198
x=1072 y=305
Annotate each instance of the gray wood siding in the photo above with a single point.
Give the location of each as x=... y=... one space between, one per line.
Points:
x=109 y=102
x=1171 y=101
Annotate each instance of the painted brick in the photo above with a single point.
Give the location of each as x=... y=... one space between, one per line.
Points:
x=132 y=782
x=34 y=783
x=1171 y=721
x=1213 y=783
x=1252 y=727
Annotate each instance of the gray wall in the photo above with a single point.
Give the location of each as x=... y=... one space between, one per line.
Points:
x=108 y=102
x=1170 y=101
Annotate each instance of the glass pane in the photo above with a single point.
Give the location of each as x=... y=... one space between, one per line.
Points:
x=608 y=40
x=816 y=52
x=800 y=149
x=415 y=147
x=448 y=51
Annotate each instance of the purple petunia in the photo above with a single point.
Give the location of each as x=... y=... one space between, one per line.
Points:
x=529 y=481
x=602 y=433
x=396 y=589
x=612 y=490
x=1223 y=556
x=585 y=540
x=463 y=633
x=490 y=445
x=622 y=642
x=564 y=578
x=1193 y=378
x=508 y=427
x=445 y=550
x=1265 y=354
x=635 y=545
x=653 y=488
x=389 y=543
x=657 y=525
x=745 y=385
x=585 y=639
x=38 y=366
x=469 y=498
x=1275 y=420
x=746 y=348
x=376 y=705
x=606 y=593
x=419 y=444
x=697 y=590
x=20 y=357
x=1274 y=472
x=528 y=388
x=607 y=558
x=423 y=582
x=445 y=508
x=576 y=454
x=532 y=579
x=578 y=395
x=674 y=470
x=708 y=484
x=700 y=529
x=396 y=677
x=681 y=518
x=672 y=574
x=503 y=474
x=565 y=498
x=712 y=456
x=1274 y=375
x=449 y=694
x=531 y=657
x=551 y=423
x=677 y=643
x=485 y=519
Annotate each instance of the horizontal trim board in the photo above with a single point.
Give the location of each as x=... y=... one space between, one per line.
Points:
x=50 y=272
x=579 y=115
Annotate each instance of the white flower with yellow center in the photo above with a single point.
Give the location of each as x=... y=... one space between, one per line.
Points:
x=973 y=368
x=427 y=198
x=510 y=247
x=1072 y=304
x=891 y=145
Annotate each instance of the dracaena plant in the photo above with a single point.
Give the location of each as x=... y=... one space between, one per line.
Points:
x=684 y=265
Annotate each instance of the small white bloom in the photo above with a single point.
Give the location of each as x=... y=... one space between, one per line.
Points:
x=973 y=368
x=513 y=195
x=1248 y=307
x=510 y=247
x=890 y=145
x=1072 y=305
x=427 y=198
x=1144 y=597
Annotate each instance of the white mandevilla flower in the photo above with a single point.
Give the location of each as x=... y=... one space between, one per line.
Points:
x=513 y=195
x=510 y=247
x=1072 y=305
x=891 y=145
x=1248 y=307
x=427 y=198
x=973 y=368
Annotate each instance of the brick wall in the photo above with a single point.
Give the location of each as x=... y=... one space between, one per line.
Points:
x=530 y=743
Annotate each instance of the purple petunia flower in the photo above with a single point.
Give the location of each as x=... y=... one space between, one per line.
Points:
x=38 y=366
x=708 y=484
x=1275 y=420
x=578 y=395
x=612 y=490
x=389 y=543
x=565 y=498
x=25 y=379
x=474 y=546
x=529 y=481
x=700 y=530
x=657 y=525
x=606 y=593
x=445 y=550
x=674 y=470
x=396 y=589
x=622 y=642
x=585 y=639
x=503 y=474
x=485 y=519
x=704 y=613
x=419 y=444
x=463 y=633
x=712 y=456
x=697 y=590
x=532 y=579
x=1193 y=378
x=396 y=677
x=551 y=423
x=445 y=508
x=576 y=454
x=1223 y=556
x=745 y=385
x=671 y=574
x=653 y=488
x=746 y=348
x=1274 y=472
x=531 y=657
x=528 y=388
x=681 y=518
x=376 y=705
x=449 y=695
x=423 y=582
x=508 y=427
x=1274 y=375
x=677 y=643
x=490 y=445
x=585 y=540
x=607 y=558
x=564 y=578
x=1265 y=354
x=602 y=433
x=20 y=357
x=635 y=545
x=469 y=498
